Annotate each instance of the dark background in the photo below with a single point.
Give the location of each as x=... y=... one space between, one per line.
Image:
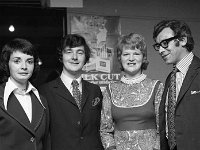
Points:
x=42 y=26
x=138 y=16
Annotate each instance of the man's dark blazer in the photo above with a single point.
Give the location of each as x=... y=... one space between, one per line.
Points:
x=187 y=119
x=16 y=132
x=71 y=129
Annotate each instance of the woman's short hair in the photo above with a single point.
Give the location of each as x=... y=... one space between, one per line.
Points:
x=71 y=41
x=14 y=45
x=132 y=41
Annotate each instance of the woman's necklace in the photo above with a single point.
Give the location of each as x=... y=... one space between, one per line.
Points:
x=133 y=80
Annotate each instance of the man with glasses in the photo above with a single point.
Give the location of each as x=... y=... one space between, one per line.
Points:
x=180 y=106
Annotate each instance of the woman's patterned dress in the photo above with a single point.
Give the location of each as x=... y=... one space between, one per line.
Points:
x=129 y=118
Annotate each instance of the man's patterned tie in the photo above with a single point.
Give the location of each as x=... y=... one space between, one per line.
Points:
x=171 y=109
x=76 y=93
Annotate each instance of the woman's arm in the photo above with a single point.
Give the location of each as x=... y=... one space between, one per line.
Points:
x=107 y=124
x=159 y=90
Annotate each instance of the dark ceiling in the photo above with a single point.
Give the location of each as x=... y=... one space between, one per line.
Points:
x=43 y=26
x=24 y=3
x=31 y=22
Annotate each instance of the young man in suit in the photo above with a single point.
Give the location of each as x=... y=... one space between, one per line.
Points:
x=74 y=111
x=180 y=105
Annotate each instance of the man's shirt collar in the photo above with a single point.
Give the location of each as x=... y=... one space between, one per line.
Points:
x=68 y=81
x=184 y=64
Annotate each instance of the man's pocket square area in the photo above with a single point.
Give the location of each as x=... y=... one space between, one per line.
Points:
x=195 y=92
x=95 y=101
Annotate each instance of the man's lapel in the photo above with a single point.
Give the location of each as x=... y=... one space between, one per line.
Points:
x=85 y=91
x=62 y=91
x=191 y=74
x=162 y=112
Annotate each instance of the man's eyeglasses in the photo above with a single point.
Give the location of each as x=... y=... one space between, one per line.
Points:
x=164 y=43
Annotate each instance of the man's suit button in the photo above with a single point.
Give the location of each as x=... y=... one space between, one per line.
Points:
x=32 y=139
x=79 y=123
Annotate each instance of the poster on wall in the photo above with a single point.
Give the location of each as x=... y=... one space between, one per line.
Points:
x=101 y=34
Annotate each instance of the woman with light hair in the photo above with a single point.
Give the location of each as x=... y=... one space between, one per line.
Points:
x=129 y=119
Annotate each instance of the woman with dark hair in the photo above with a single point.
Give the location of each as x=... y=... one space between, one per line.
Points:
x=23 y=111
x=129 y=119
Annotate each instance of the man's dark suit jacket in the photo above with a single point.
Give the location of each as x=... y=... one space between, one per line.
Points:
x=71 y=129
x=187 y=112
x=16 y=132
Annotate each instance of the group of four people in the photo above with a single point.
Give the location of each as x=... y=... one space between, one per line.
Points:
x=135 y=113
